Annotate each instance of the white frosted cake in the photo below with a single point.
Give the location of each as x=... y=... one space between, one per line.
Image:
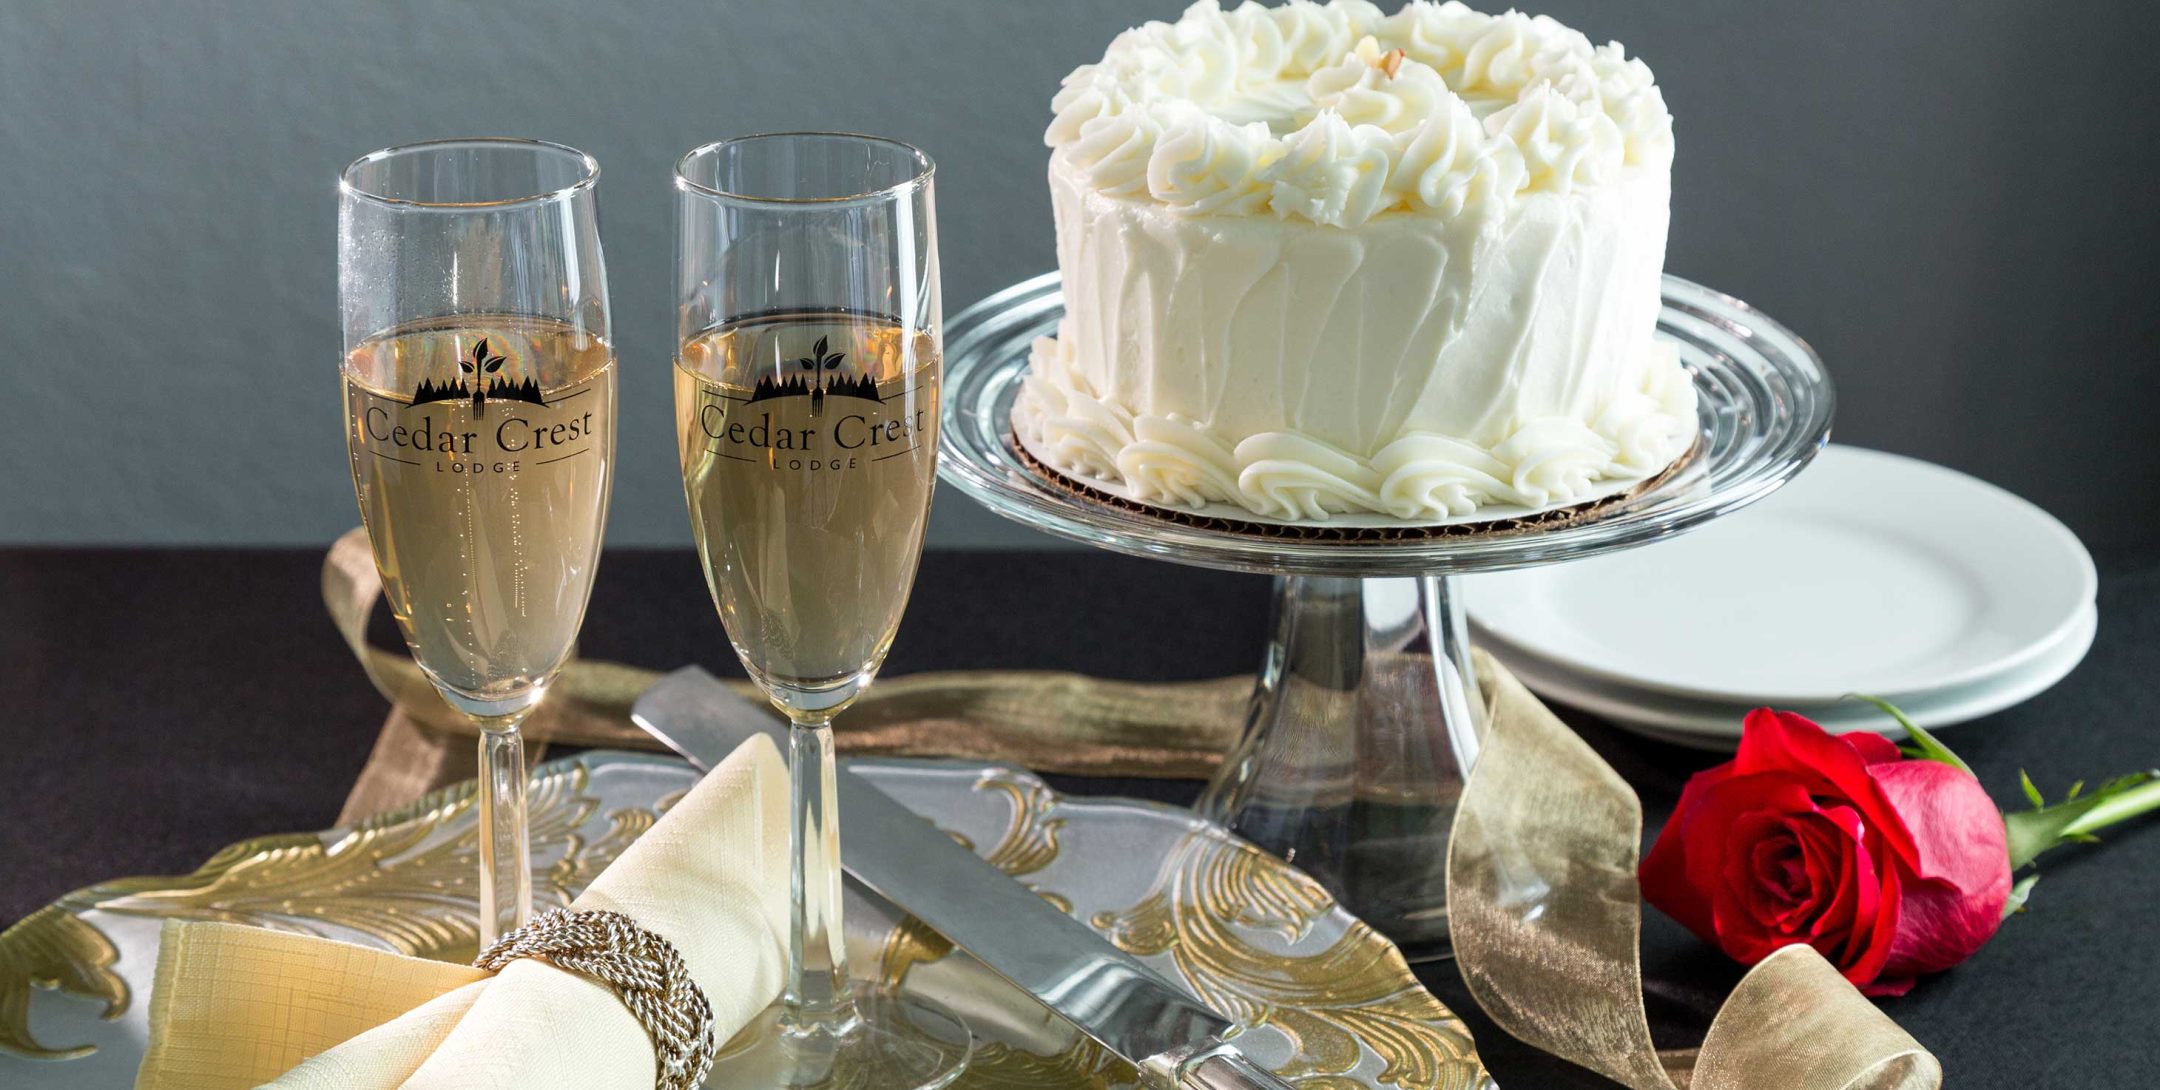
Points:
x=1318 y=260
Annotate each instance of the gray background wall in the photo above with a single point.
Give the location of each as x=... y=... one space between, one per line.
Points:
x=1954 y=201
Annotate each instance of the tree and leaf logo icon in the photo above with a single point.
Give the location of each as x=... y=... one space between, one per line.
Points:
x=479 y=381
x=816 y=376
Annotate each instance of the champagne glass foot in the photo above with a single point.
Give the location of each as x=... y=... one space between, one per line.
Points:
x=893 y=1042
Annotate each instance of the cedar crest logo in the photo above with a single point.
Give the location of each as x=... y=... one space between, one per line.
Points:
x=479 y=381
x=816 y=376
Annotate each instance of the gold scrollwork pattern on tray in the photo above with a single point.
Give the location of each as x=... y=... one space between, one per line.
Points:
x=1085 y=1066
x=1333 y=1004
x=394 y=878
x=1028 y=844
x=1211 y=912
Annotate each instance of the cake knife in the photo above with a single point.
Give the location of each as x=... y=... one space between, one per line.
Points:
x=1109 y=994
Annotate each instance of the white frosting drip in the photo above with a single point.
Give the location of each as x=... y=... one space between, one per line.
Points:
x=1546 y=462
x=1282 y=109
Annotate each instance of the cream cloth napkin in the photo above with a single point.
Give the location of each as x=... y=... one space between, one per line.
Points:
x=234 y=1006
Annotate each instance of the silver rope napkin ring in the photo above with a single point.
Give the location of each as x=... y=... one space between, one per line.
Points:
x=641 y=967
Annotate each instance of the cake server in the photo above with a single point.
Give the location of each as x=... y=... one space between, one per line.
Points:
x=1109 y=994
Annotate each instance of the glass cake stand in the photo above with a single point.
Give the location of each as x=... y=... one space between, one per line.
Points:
x=1365 y=715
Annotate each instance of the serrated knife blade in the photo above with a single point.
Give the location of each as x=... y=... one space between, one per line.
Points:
x=1110 y=995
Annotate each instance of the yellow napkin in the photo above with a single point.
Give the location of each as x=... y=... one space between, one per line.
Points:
x=235 y=1006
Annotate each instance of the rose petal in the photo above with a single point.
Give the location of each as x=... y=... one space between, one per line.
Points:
x=1954 y=899
x=1710 y=828
x=1866 y=968
x=1728 y=822
x=1887 y=987
x=1941 y=926
x=1848 y=895
x=1873 y=748
x=1781 y=742
x=1845 y=931
x=1775 y=893
x=1958 y=833
x=1663 y=873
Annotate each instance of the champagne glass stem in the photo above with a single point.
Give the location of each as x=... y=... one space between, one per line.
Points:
x=817 y=998
x=505 y=860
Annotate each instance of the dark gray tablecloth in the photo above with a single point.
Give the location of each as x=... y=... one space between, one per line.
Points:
x=157 y=705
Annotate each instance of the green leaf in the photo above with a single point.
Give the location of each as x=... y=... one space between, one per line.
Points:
x=1924 y=745
x=2018 y=895
x=2031 y=792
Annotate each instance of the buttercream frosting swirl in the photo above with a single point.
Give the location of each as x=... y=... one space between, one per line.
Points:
x=1563 y=145
x=1370 y=87
x=1206 y=164
x=1332 y=172
x=1336 y=112
x=1114 y=151
x=1447 y=163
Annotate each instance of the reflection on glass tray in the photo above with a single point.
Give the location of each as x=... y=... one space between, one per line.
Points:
x=1330 y=1001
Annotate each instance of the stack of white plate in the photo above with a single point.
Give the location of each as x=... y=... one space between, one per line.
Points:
x=1869 y=573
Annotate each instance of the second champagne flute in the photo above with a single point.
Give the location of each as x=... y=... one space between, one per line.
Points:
x=806 y=410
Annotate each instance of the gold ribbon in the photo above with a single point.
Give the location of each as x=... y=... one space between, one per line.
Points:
x=1546 y=918
x=1544 y=908
x=1046 y=720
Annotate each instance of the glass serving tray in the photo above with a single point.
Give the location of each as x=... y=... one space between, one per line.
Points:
x=1328 y=1001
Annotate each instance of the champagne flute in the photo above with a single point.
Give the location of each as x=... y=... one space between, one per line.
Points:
x=480 y=419
x=806 y=413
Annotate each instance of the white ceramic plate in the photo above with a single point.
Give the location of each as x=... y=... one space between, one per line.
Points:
x=1870 y=572
x=1716 y=725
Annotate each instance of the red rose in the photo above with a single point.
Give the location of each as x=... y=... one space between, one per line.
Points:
x=1889 y=867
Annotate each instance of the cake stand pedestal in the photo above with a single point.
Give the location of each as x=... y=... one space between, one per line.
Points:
x=1365 y=716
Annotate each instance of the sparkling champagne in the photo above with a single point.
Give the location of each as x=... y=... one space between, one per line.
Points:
x=480 y=448
x=809 y=450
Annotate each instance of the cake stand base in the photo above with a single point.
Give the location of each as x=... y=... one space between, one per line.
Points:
x=1364 y=721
